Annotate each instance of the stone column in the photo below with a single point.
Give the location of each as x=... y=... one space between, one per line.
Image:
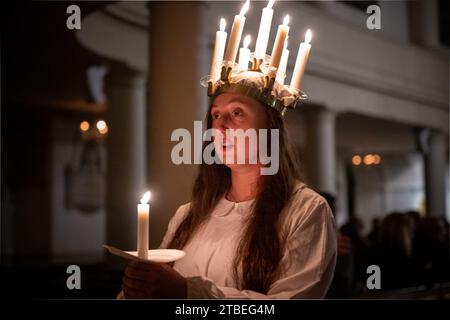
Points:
x=424 y=22
x=435 y=169
x=126 y=153
x=320 y=149
x=176 y=99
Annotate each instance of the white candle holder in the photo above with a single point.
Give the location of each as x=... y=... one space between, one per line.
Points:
x=155 y=255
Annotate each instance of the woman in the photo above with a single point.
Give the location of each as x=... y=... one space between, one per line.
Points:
x=245 y=235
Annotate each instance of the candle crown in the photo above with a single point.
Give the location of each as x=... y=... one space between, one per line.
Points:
x=255 y=84
x=262 y=81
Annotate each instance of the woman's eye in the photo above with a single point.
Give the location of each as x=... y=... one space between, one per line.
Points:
x=237 y=113
x=216 y=116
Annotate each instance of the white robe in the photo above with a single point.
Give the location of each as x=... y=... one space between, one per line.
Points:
x=307 y=263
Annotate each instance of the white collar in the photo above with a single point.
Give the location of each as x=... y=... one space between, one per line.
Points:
x=225 y=207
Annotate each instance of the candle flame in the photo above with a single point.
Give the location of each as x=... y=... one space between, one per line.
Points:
x=84 y=126
x=223 y=24
x=146 y=197
x=308 y=36
x=245 y=8
x=286 y=20
x=247 y=41
x=270 y=4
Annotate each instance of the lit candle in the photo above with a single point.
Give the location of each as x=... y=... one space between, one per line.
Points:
x=236 y=34
x=219 y=48
x=264 y=31
x=244 y=54
x=302 y=59
x=278 y=46
x=281 y=72
x=143 y=223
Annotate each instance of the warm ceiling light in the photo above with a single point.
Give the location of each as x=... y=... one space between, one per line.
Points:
x=369 y=159
x=84 y=126
x=376 y=159
x=356 y=160
x=102 y=127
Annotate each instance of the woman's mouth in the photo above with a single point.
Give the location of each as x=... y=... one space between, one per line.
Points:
x=227 y=145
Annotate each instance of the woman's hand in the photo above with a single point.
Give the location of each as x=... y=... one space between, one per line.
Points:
x=153 y=280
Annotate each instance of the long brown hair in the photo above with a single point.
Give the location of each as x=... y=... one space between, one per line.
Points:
x=261 y=246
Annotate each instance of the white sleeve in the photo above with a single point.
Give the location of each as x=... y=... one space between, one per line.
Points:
x=307 y=264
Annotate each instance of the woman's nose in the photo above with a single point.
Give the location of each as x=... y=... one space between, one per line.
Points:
x=223 y=123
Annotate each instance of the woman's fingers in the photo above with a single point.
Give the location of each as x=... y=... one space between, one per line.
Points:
x=134 y=283
x=150 y=280
x=133 y=293
x=137 y=272
x=139 y=279
x=134 y=273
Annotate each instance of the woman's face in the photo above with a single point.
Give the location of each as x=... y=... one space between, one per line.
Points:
x=235 y=111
